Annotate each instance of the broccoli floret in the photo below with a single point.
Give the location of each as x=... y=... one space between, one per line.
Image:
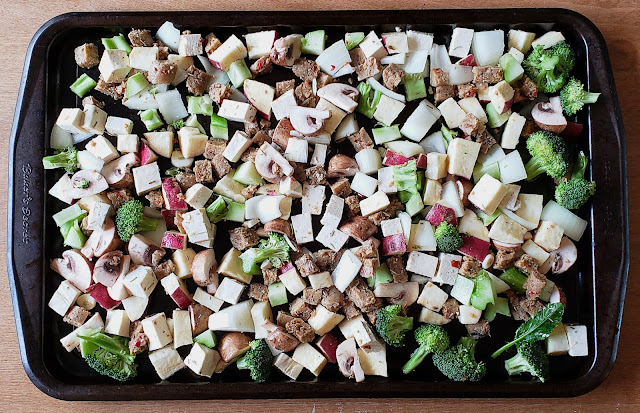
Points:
x=257 y=360
x=392 y=326
x=177 y=124
x=432 y=339
x=458 y=362
x=573 y=96
x=548 y=154
x=575 y=192
x=550 y=68
x=130 y=220
x=66 y=158
x=111 y=358
x=275 y=249
x=531 y=358
x=447 y=237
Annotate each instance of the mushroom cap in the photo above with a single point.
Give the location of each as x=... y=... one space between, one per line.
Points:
x=144 y=251
x=205 y=268
x=464 y=189
x=403 y=294
x=264 y=166
x=231 y=344
x=279 y=225
x=308 y=121
x=342 y=165
x=102 y=240
x=75 y=268
x=341 y=95
x=110 y=266
x=503 y=246
x=564 y=257
x=348 y=360
x=93 y=183
x=118 y=172
x=548 y=115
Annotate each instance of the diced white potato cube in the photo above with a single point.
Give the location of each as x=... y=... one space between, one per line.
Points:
x=460 y=42
x=71 y=340
x=391 y=227
x=578 y=341
x=127 y=143
x=431 y=317
x=335 y=118
x=451 y=112
x=237 y=111
x=293 y=282
x=512 y=131
x=141 y=281
x=506 y=230
x=469 y=314
x=212 y=303
x=94 y=120
x=374 y=360
x=281 y=106
x=202 y=360
x=182 y=335
x=432 y=192
x=333 y=211
x=520 y=40
x=157 y=330
x=364 y=184
x=437 y=164
x=323 y=320
x=319 y=154
x=462 y=155
x=183 y=259
x=462 y=289
x=190 y=45
x=260 y=313
x=287 y=366
x=432 y=297
x=388 y=110
x=302 y=228
x=487 y=194
x=142 y=57
x=307 y=356
x=192 y=142
x=372 y=46
x=360 y=330
x=197 y=196
x=235 y=318
x=146 y=178
x=376 y=202
x=557 y=342
x=529 y=207
x=117 y=323
x=548 y=235
x=547 y=40
x=320 y=280
x=472 y=105
x=64 y=297
x=166 y=361
x=297 y=150
x=312 y=199
x=346 y=270
x=71 y=120
x=448 y=268
x=386 y=180
x=230 y=290
x=114 y=65
x=533 y=249
x=118 y=126
x=421 y=263
x=332 y=238
x=134 y=306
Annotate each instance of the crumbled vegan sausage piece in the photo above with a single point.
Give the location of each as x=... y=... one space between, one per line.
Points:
x=301 y=330
x=527 y=264
x=392 y=76
x=220 y=165
x=369 y=68
x=162 y=72
x=197 y=80
x=214 y=147
x=262 y=66
x=259 y=138
x=352 y=204
x=243 y=238
x=211 y=43
x=283 y=318
x=373 y=315
x=311 y=296
x=203 y=171
x=324 y=259
x=467 y=90
x=535 y=284
x=76 y=316
x=306 y=265
x=368 y=249
x=470 y=267
x=361 y=140
x=119 y=197
x=444 y=92
x=397 y=269
x=249 y=191
x=258 y=292
x=305 y=69
x=350 y=310
x=439 y=78
x=531 y=305
x=471 y=125
x=528 y=90
x=164 y=269
x=389 y=212
x=86 y=55
x=450 y=308
x=485 y=140
x=90 y=100
x=115 y=90
x=186 y=180
x=323 y=80
x=299 y=308
x=138 y=340
x=219 y=92
x=284 y=86
x=360 y=294
x=341 y=187
x=140 y=38
x=316 y=175
x=487 y=74
x=368 y=268
x=252 y=128
x=155 y=199
x=357 y=57
x=504 y=259
x=304 y=94
x=270 y=275
x=479 y=330
x=517 y=311
x=163 y=50
x=332 y=299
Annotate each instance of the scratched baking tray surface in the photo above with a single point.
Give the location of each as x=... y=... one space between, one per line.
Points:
x=598 y=279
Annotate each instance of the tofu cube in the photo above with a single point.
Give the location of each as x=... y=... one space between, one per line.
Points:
x=358 y=329
x=452 y=113
x=142 y=57
x=302 y=228
x=197 y=196
x=372 y=46
x=512 y=130
x=319 y=156
x=101 y=148
x=469 y=314
x=376 y=202
x=432 y=297
x=182 y=335
x=231 y=50
x=297 y=150
x=166 y=361
x=462 y=155
x=364 y=184
x=97 y=215
x=421 y=263
x=487 y=194
x=323 y=320
x=396 y=42
x=71 y=120
x=292 y=281
x=114 y=65
x=202 y=360
x=448 y=268
x=117 y=323
x=388 y=110
x=127 y=143
x=557 y=342
x=230 y=290
x=460 y=42
x=548 y=235
x=391 y=227
x=239 y=143
x=157 y=330
x=94 y=120
x=261 y=313
x=578 y=341
x=320 y=280
x=530 y=207
x=332 y=238
x=183 y=260
x=287 y=366
x=64 y=297
x=432 y=192
x=141 y=281
x=333 y=212
x=190 y=45
x=419 y=40
x=118 y=126
x=437 y=164
x=346 y=270
x=212 y=303
x=237 y=111
x=146 y=178
x=533 y=249
x=501 y=95
x=506 y=230
x=312 y=199
x=386 y=180
x=197 y=226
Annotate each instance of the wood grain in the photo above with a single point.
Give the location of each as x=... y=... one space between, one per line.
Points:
x=617 y=21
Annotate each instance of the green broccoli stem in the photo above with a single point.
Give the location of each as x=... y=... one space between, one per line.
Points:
x=147 y=224
x=242 y=364
x=590 y=97
x=417 y=357
x=580 y=166
x=110 y=344
x=469 y=343
x=400 y=323
x=516 y=364
x=66 y=159
x=534 y=168
x=549 y=62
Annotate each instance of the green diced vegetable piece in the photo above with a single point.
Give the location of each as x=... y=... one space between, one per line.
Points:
x=238 y=72
x=151 y=119
x=447 y=135
x=116 y=42
x=492 y=169
x=414 y=86
x=511 y=68
x=70 y=213
x=235 y=212
x=277 y=294
x=217 y=210
x=488 y=219
x=75 y=237
x=192 y=121
x=313 y=42
x=414 y=205
x=87 y=348
x=495 y=119
x=382 y=276
x=83 y=85
x=515 y=279
x=218 y=128
x=483 y=292
x=135 y=84
x=207 y=339
x=353 y=39
x=200 y=105
x=64 y=228
x=367 y=103
x=247 y=174
x=386 y=134
x=500 y=307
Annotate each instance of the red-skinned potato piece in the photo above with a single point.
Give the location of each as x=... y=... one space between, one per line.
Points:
x=572 y=132
x=147 y=155
x=205 y=268
x=393 y=245
x=392 y=158
x=75 y=268
x=467 y=61
x=421 y=162
x=439 y=214
x=328 y=344
x=474 y=247
x=173 y=196
x=101 y=295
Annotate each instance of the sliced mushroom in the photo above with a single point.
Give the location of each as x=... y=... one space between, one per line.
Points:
x=282 y=133
x=205 y=268
x=118 y=172
x=102 y=240
x=75 y=268
x=464 y=189
x=348 y=360
x=110 y=266
x=281 y=340
x=341 y=95
x=308 y=121
x=359 y=228
x=279 y=225
x=342 y=165
x=286 y=50
x=85 y=183
x=144 y=251
x=548 y=115
x=503 y=246
x=199 y=316
x=404 y=294
x=265 y=160
x=563 y=258
x=558 y=296
x=233 y=345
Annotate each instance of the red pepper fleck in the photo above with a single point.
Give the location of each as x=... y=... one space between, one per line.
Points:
x=333 y=67
x=455 y=264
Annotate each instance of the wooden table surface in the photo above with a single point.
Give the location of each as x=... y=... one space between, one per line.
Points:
x=19 y=19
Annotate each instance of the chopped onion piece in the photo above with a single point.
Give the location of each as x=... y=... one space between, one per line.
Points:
x=573 y=225
x=378 y=86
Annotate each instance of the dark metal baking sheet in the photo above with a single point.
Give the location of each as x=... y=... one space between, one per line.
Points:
x=595 y=288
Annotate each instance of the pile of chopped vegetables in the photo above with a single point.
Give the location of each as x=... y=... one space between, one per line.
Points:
x=346 y=241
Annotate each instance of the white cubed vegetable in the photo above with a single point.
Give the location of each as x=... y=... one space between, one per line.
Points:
x=142 y=57
x=487 y=47
x=234 y=318
x=346 y=270
x=451 y=198
x=292 y=281
x=391 y=227
x=134 y=306
x=549 y=39
x=323 y=320
x=431 y=317
x=197 y=196
x=396 y=42
x=388 y=110
x=334 y=58
x=460 y=42
x=462 y=157
x=290 y=187
x=332 y=238
x=281 y=106
x=212 y=303
x=437 y=165
x=557 y=343
x=533 y=249
x=358 y=329
x=297 y=150
x=335 y=118
x=231 y=50
x=114 y=65
x=347 y=127
x=320 y=280
x=157 y=330
x=310 y=358
x=64 y=297
x=302 y=228
x=421 y=237
x=578 y=341
x=421 y=263
x=71 y=340
x=512 y=131
x=512 y=168
x=333 y=212
x=171 y=106
x=117 y=322
x=386 y=180
x=141 y=281
x=520 y=40
x=487 y=194
x=517 y=54
x=501 y=95
x=469 y=314
x=376 y=202
x=118 y=126
x=146 y=178
x=190 y=45
x=166 y=361
x=451 y=112
x=230 y=290
x=127 y=143
x=312 y=199
x=510 y=200
x=432 y=297
x=372 y=46
x=182 y=335
x=319 y=154
x=548 y=235
x=259 y=43
x=472 y=105
x=202 y=360
x=364 y=184
x=448 y=268
x=420 y=121
x=369 y=160
x=419 y=40
x=506 y=230
x=287 y=366
x=432 y=192
x=260 y=313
